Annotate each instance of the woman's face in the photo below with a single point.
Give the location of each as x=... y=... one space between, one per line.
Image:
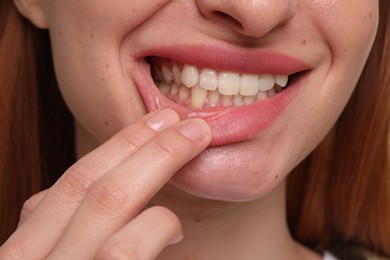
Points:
x=104 y=53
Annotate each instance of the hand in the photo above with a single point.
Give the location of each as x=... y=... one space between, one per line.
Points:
x=93 y=210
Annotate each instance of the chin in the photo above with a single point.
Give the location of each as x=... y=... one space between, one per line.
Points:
x=230 y=173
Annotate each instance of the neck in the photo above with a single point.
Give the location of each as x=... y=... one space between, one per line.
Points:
x=228 y=230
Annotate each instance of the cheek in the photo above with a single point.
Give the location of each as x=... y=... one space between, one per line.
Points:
x=88 y=49
x=349 y=28
x=348 y=25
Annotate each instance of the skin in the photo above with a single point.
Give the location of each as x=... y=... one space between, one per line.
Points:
x=93 y=43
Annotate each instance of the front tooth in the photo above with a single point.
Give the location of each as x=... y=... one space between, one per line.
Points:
x=190 y=76
x=167 y=74
x=266 y=82
x=198 y=97
x=208 y=79
x=237 y=100
x=226 y=100
x=249 y=85
x=229 y=83
x=281 y=80
x=213 y=97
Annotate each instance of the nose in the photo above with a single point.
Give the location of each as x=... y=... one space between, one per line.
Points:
x=252 y=18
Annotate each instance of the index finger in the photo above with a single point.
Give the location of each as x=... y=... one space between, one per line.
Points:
x=124 y=191
x=36 y=236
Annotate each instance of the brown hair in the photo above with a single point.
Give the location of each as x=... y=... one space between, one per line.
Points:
x=338 y=195
x=19 y=154
x=36 y=131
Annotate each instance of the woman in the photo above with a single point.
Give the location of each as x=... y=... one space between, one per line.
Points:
x=268 y=80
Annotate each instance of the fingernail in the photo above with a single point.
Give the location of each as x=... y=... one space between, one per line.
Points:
x=162 y=120
x=176 y=240
x=194 y=129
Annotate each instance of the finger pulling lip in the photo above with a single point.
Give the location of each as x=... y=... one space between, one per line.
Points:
x=228 y=124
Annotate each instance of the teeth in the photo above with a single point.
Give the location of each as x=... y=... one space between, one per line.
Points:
x=175 y=89
x=237 y=100
x=176 y=75
x=226 y=100
x=262 y=95
x=229 y=83
x=271 y=93
x=213 y=98
x=165 y=88
x=248 y=100
x=190 y=76
x=281 y=80
x=266 y=82
x=208 y=79
x=250 y=85
x=198 y=97
x=167 y=74
x=196 y=88
x=184 y=93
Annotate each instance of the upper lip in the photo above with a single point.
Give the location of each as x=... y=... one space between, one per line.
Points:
x=223 y=58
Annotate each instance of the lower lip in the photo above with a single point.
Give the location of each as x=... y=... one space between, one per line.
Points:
x=228 y=124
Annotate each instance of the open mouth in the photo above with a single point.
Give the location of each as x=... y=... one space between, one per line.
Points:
x=239 y=93
x=199 y=88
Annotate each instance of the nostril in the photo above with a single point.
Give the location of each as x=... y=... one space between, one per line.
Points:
x=226 y=17
x=253 y=19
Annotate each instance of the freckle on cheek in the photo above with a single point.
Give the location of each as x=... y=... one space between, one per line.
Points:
x=304 y=42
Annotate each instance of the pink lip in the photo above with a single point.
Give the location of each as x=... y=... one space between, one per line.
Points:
x=228 y=124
